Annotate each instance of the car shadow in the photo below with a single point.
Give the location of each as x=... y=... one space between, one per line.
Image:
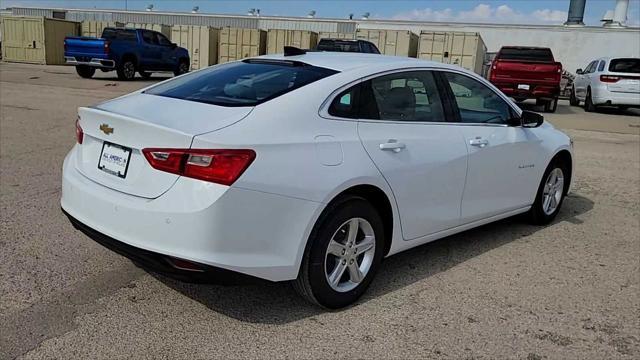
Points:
x=277 y=303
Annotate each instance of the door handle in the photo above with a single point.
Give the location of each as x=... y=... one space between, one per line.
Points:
x=479 y=142
x=392 y=145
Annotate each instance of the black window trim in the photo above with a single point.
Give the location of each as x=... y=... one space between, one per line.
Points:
x=323 y=111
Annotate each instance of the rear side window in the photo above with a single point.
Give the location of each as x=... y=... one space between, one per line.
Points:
x=530 y=54
x=629 y=65
x=243 y=83
x=119 y=34
x=601 y=66
x=405 y=96
x=346 y=103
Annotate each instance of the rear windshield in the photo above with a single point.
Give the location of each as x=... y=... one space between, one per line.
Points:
x=630 y=65
x=526 y=54
x=337 y=45
x=244 y=83
x=119 y=34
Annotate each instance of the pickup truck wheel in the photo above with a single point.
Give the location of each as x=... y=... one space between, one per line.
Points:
x=183 y=68
x=126 y=70
x=573 y=100
x=551 y=105
x=588 y=103
x=85 y=71
x=144 y=74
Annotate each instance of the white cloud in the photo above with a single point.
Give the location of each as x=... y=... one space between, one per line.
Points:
x=484 y=13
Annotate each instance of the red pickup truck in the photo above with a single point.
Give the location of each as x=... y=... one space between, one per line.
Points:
x=523 y=72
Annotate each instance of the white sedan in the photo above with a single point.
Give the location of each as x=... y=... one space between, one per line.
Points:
x=308 y=168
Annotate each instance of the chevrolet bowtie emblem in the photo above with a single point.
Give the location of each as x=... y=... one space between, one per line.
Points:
x=106 y=129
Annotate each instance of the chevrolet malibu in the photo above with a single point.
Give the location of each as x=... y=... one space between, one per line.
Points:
x=307 y=167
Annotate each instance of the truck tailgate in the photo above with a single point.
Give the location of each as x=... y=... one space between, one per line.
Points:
x=85 y=46
x=531 y=71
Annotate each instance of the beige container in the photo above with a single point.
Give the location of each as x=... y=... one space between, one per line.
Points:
x=277 y=39
x=93 y=28
x=465 y=49
x=391 y=42
x=335 y=35
x=164 y=29
x=36 y=40
x=200 y=41
x=237 y=43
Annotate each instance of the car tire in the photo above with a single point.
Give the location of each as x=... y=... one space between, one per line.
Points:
x=339 y=262
x=573 y=100
x=126 y=70
x=183 y=68
x=588 y=103
x=551 y=105
x=85 y=71
x=144 y=74
x=623 y=108
x=550 y=194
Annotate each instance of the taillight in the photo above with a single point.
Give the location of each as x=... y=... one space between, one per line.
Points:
x=65 y=45
x=219 y=166
x=609 y=78
x=107 y=46
x=79 y=132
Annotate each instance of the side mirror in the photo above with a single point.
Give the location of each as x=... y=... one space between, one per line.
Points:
x=579 y=71
x=531 y=119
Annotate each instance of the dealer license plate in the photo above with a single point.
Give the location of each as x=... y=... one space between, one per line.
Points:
x=114 y=159
x=523 y=87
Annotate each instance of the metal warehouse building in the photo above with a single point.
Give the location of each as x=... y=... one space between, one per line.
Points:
x=574 y=46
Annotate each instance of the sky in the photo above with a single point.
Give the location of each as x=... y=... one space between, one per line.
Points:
x=488 y=11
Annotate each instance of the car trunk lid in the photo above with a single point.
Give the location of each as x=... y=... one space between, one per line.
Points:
x=115 y=133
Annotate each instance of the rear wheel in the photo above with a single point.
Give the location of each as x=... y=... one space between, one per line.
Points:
x=85 y=71
x=144 y=74
x=183 y=68
x=550 y=193
x=551 y=105
x=343 y=254
x=126 y=70
x=588 y=103
x=573 y=100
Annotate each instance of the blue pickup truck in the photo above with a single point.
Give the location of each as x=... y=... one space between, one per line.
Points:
x=125 y=51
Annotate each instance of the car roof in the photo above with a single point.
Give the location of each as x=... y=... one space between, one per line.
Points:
x=342 y=61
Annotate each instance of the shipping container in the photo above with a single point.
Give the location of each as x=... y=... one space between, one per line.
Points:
x=36 y=40
x=277 y=39
x=238 y=43
x=335 y=35
x=94 y=28
x=164 y=29
x=391 y=42
x=200 y=41
x=465 y=49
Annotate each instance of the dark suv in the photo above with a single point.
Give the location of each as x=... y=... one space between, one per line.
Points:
x=347 y=45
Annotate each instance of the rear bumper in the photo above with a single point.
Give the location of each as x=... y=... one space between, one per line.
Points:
x=602 y=96
x=245 y=231
x=93 y=62
x=535 y=91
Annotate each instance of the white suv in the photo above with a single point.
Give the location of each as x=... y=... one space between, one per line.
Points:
x=608 y=82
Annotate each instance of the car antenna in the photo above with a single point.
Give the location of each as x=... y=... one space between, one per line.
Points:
x=293 y=51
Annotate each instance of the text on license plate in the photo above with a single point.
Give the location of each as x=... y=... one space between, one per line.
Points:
x=114 y=159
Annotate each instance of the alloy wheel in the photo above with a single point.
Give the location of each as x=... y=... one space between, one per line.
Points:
x=553 y=190
x=350 y=254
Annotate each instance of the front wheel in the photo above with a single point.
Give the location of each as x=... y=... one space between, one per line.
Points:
x=550 y=195
x=126 y=70
x=573 y=100
x=343 y=254
x=85 y=71
x=183 y=68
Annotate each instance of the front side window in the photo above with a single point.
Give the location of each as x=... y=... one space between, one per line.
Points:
x=162 y=40
x=591 y=67
x=406 y=96
x=476 y=102
x=244 y=83
x=149 y=37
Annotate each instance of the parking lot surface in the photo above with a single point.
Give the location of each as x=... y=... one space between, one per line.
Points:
x=505 y=290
